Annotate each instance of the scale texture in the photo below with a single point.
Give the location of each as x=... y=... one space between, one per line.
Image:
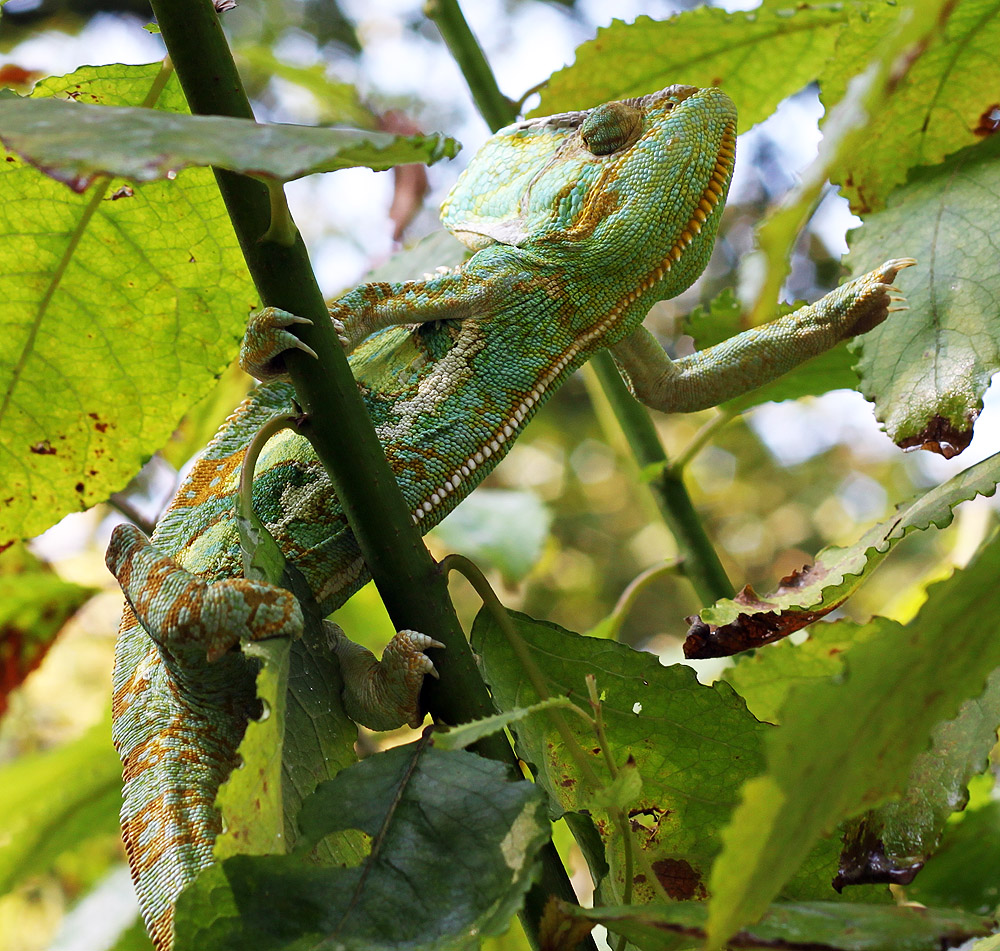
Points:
x=579 y=223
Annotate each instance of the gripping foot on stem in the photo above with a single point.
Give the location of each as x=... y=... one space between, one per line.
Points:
x=383 y=695
x=266 y=340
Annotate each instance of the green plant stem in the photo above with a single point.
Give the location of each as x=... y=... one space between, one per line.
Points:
x=470 y=571
x=271 y=428
x=414 y=591
x=492 y=104
x=632 y=591
x=699 y=562
x=701 y=439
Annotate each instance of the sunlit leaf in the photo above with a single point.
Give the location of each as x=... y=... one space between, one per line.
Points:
x=892 y=843
x=848 y=743
x=702 y=47
x=926 y=370
x=74 y=142
x=943 y=101
x=120 y=307
x=819 y=926
x=749 y=620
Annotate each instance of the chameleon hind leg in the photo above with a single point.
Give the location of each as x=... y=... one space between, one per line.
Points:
x=759 y=355
x=383 y=695
x=187 y=615
x=178 y=723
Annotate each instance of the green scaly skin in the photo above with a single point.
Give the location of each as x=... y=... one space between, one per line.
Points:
x=580 y=222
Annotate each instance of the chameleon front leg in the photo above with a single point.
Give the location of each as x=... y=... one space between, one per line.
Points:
x=755 y=356
x=453 y=295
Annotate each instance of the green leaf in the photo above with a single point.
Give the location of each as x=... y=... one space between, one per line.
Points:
x=693 y=746
x=882 y=845
x=34 y=605
x=452 y=850
x=765 y=678
x=814 y=925
x=75 y=142
x=965 y=871
x=831 y=370
x=748 y=620
x=464 y=735
x=97 y=361
x=892 y=843
x=702 y=47
x=251 y=799
x=51 y=802
x=940 y=105
x=319 y=736
x=848 y=743
x=926 y=371
x=335 y=101
x=499 y=528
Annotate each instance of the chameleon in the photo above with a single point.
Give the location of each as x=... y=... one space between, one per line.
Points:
x=578 y=223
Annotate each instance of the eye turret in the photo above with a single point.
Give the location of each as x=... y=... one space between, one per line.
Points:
x=611 y=127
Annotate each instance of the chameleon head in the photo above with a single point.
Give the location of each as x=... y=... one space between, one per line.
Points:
x=631 y=190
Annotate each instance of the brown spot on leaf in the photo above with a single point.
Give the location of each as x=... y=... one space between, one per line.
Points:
x=79 y=487
x=126 y=191
x=43 y=448
x=940 y=435
x=680 y=880
x=989 y=121
x=767 y=622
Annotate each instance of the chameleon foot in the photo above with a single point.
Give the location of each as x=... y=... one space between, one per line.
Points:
x=266 y=341
x=383 y=695
x=182 y=611
x=869 y=297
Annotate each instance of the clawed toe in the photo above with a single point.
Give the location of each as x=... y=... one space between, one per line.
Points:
x=267 y=340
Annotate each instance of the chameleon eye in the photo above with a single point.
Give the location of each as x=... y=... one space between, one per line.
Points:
x=611 y=127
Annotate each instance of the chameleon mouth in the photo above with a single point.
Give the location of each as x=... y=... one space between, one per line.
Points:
x=714 y=193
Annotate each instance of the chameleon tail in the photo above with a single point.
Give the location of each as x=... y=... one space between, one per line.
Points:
x=181 y=704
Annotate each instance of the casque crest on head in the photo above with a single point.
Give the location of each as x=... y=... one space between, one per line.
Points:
x=575 y=175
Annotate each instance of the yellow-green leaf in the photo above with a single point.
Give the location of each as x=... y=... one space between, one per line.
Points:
x=121 y=306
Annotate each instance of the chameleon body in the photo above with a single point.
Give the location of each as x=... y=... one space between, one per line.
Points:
x=579 y=223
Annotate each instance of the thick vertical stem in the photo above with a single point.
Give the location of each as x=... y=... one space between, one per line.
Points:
x=414 y=591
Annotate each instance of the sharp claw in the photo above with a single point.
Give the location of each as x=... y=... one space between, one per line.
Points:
x=304 y=347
